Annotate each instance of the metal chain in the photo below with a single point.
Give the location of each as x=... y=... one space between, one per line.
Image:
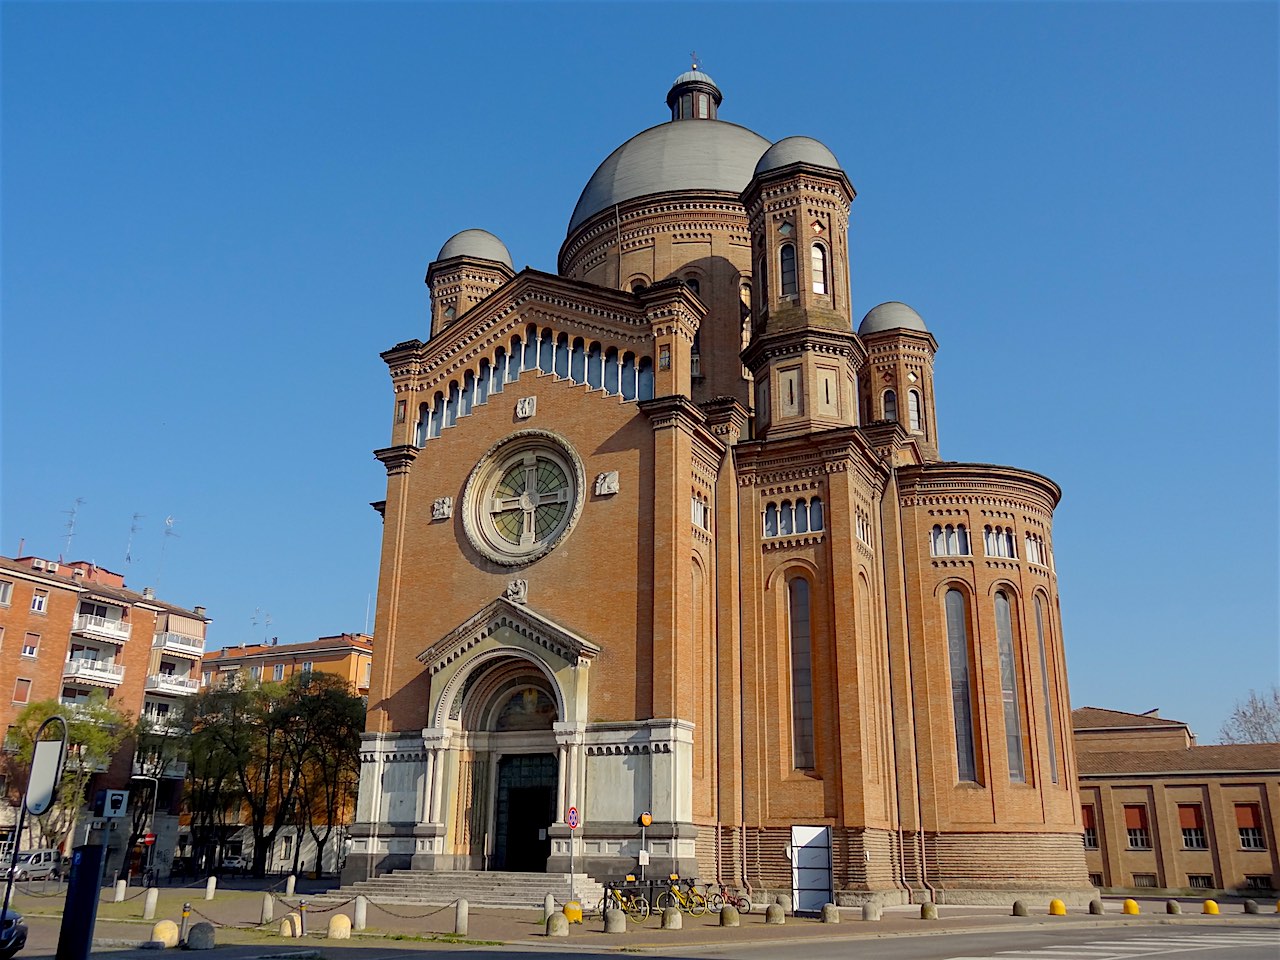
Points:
x=313 y=909
x=406 y=916
x=230 y=923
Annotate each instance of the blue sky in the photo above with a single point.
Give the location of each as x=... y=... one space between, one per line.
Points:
x=216 y=215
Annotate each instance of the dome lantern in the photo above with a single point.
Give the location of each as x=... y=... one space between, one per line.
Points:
x=694 y=96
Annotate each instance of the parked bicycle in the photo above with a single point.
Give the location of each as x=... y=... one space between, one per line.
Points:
x=689 y=900
x=630 y=901
x=718 y=898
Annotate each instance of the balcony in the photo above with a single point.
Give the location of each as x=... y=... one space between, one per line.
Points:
x=104 y=673
x=101 y=628
x=173 y=769
x=170 y=684
x=179 y=645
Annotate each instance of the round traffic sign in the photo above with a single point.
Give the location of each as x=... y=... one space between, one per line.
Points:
x=572 y=819
x=149 y=839
x=646 y=818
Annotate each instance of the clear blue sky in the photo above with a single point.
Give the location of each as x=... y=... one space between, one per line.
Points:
x=216 y=215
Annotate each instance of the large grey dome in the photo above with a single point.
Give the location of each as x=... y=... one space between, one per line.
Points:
x=797 y=150
x=891 y=316
x=480 y=244
x=706 y=155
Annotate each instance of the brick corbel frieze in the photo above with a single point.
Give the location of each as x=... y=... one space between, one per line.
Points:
x=679 y=412
x=397 y=459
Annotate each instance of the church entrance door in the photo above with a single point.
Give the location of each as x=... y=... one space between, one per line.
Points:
x=524 y=809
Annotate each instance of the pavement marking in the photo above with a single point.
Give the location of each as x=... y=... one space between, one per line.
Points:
x=1129 y=949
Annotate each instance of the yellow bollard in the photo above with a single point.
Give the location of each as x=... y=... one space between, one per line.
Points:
x=573 y=911
x=1131 y=908
x=1057 y=908
x=1210 y=908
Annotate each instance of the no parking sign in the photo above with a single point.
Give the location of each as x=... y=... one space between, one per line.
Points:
x=573 y=818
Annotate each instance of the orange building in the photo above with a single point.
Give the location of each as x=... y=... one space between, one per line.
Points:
x=665 y=533
x=347 y=655
x=1164 y=815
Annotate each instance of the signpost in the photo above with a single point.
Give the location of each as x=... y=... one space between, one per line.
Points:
x=47 y=756
x=646 y=818
x=572 y=820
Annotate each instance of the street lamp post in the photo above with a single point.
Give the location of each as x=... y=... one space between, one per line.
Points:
x=151 y=824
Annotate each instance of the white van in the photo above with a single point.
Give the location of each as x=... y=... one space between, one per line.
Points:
x=35 y=865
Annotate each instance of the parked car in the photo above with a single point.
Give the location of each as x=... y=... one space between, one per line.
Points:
x=234 y=864
x=13 y=934
x=36 y=865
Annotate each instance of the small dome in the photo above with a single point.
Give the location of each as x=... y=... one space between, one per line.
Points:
x=480 y=244
x=891 y=316
x=797 y=150
x=693 y=76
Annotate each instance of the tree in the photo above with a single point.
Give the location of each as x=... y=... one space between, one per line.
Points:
x=156 y=753
x=213 y=790
x=1255 y=720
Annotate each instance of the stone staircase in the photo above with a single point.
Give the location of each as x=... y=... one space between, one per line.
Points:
x=480 y=889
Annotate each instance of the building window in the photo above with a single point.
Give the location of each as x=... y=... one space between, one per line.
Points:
x=1200 y=881
x=286 y=848
x=890 y=404
x=801 y=674
x=818 y=264
x=31 y=645
x=22 y=690
x=1095 y=879
x=862 y=526
x=277 y=672
x=998 y=542
x=1090 y=827
x=1135 y=821
x=786 y=518
x=1009 y=688
x=1036 y=551
x=961 y=687
x=1249 y=821
x=40 y=601
x=1191 y=819
x=207 y=676
x=255 y=674
x=913 y=411
x=1257 y=881
x=787 y=258
x=701 y=510
x=950 y=541
x=6 y=592
x=1044 y=684
x=306 y=666
x=1144 y=879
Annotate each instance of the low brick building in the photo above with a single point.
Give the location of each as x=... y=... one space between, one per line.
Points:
x=346 y=655
x=1164 y=815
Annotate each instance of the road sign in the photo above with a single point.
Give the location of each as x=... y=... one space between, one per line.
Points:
x=117 y=803
x=149 y=839
x=573 y=818
x=646 y=819
x=46 y=771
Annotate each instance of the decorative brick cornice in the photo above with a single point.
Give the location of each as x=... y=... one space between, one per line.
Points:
x=397 y=459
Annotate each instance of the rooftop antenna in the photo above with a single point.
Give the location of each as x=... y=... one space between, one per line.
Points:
x=169 y=521
x=133 y=529
x=260 y=614
x=71 y=522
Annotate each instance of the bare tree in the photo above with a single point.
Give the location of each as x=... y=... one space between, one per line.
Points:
x=1255 y=719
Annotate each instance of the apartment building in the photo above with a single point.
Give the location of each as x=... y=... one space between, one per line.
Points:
x=347 y=655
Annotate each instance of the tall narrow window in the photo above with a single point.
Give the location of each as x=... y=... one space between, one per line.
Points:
x=1090 y=826
x=890 y=405
x=1048 y=699
x=818 y=265
x=801 y=675
x=961 y=686
x=913 y=410
x=788 y=263
x=1009 y=688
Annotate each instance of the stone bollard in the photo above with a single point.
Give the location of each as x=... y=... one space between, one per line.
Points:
x=360 y=920
x=268 y=908
x=339 y=927
x=871 y=911
x=928 y=911
x=557 y=925
x=1096 y=908
x=461 y=918
x=548 y=906
x=615 y=921
x=1172 y=906
x=291 y=926
x=1019 y=908
x=784 y=901
x=1130 y=908
x=729 y=916
x=773 y=914
x=1210 y=908
x=1057 y=908
x=672 y=919
x=149 y=900
x=210 y=888
x=1251 y=906
x=290 y=885
x=122 y=887
x=166 y=932
x=830 y=913
x=201 y=937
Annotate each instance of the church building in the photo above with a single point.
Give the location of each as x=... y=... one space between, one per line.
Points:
x=666 y=533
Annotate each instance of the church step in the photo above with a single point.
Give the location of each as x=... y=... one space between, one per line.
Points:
x=489 y=889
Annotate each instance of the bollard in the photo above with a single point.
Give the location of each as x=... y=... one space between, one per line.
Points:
x=290 y=884
x=166 y=932
x=122 y=887
x=784 y=901
x=615 y=921
x=572 y=911
x=1172 y=906
x=830 y=913
x=210 y=887
x=186 y=920
x=1130 y=908
x=302 y=918
x=268 y=908
x=773 y=914
x=361 y=918
x=1019 y=908
x=202 y=937
x=871 y=911
x=149 y=903
x=557 y=925
x=1096 y=908
x=339 y=927
x=729 y=916
x=289 y=926
x=461 y=917
x=548 y=906
x=928 y=911
x=1057 y=908
x=1210 y=908
x=672 y=918
x=1251 y=906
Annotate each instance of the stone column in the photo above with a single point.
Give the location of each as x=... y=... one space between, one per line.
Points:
x=436 y=740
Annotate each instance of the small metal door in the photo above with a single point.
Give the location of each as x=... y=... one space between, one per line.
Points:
x=811 y=868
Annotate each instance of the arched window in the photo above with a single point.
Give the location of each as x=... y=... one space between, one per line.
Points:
x=482 y=382
x=530 y=361
x=611 y=371
x=595 y=367
x=771 y=520
x=423 y=431
x=890 y=405
x=693 y=284
x=788 y=263
x=801 y=674
x=1044 y=683
x=627 y=384
x=638 y=285
x=562 y=356
x=762 y=277
x=1009 y=688
x=451 y=406
x=578 y=362
x=961 y=686
x=468 y=394
x=964 y=540
x=937 y=541
x=815 y=514
x=785 y=518
x=644 y=379
x=802 y=516
x=499 y=370
x=913 y=410
x=437 y=415
x=818 y=265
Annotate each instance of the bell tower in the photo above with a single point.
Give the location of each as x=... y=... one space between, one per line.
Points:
x=803 y=353
x=470 y=266
x=897 y=381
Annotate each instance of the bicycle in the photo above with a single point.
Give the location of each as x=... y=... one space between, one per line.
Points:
x=689 y=901
x=741 y=902
x=631 y=902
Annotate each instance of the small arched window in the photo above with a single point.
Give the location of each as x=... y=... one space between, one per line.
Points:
x=771 y=520
x=802 y=516
x=818 y=266
x=785 y=519
x=815 y=514
x=1009 y=688
x=890 y=405
x=958 y=656
x=801 y=674
x=913 y=410
x=693 y=284
x=787 y=260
